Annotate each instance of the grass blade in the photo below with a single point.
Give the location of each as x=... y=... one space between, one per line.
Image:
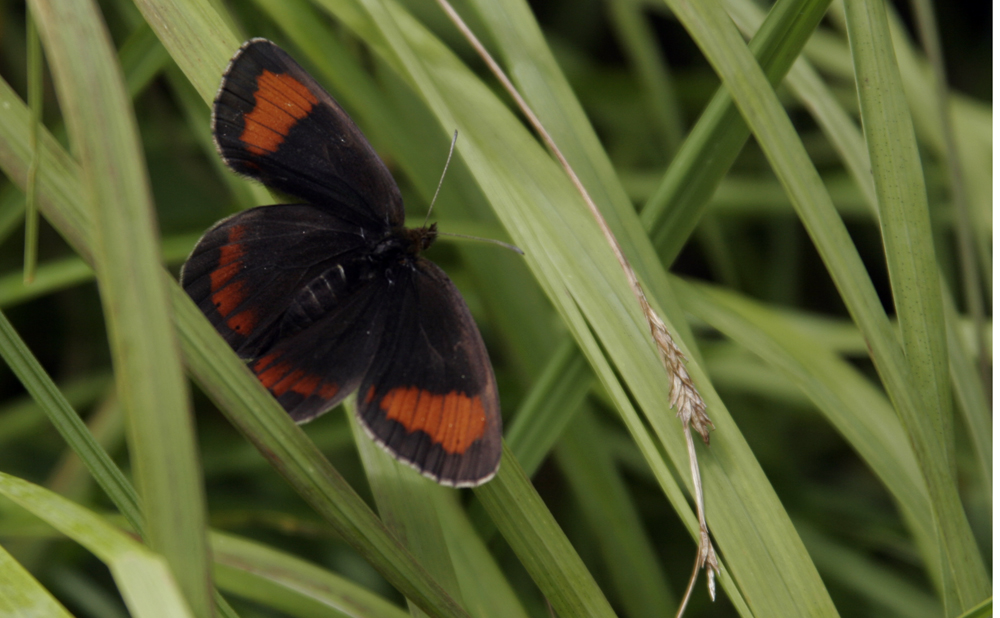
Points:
x=636 y=573
x=909 y=247
x=407 y=503
x=22 y=595
x=149 y=377
x=65 y=419
x=143 y=577
x=291 y=585
x=539 y=543
x=709 y=150
x=850 y=402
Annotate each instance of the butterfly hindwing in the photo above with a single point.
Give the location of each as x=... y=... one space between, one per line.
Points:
x=245 y=270
x=329 y=336
x=273 y=122
x=430 y=397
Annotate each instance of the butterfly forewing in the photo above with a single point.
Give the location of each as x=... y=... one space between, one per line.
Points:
x=273 y=122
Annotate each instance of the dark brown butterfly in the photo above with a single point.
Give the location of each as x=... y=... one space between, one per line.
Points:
x=332 y=296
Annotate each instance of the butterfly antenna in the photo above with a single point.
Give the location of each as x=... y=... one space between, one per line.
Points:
x=494 y=241
x=451 y=151
x=503 y=244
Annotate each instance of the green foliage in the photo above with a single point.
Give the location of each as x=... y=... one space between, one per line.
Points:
x=813 y=276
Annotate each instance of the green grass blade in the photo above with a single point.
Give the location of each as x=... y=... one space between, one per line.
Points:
x=909 y=247
x=982 y=610
x=638 y=40
x=541 y=82
x=969 y=396
x=636 y=574
x=850 y=144
x=776 y=136
x=500 y=175
x=971 y=119
x=49 y=277
x=289 y=584
x=545 y=217
x=414 y=155
x=245 y=194
x=407 y=503
x=65 y=419
x=549 y=407
x=35 y=74
x=428 y=519
x=971 y=282
x=149 y=377
x=724 y=48
x=85 y=594
x=71 y=476
x=58 y=176
x=539 y=543
x=485 y=587
x=641 y=363
x=11 y=210
x=197 y=37
x=833 y=119
x=673 y=211
x=142 y=58
x=849 y=401
x=68 y=423
x=143 y=577
x=24 y=416
x=22 y=595
x=62 y=273
x=893 y=595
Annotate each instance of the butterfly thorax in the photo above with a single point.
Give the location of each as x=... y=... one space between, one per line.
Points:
x=342 y=277
x=405 y=243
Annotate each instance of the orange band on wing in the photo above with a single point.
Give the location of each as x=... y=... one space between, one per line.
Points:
x=273 y=374
x=280 y=378
x=280 y=102
x=233 y=251
x=243 y=322
x=229 y=298
x=227 y=295
x=454 y=420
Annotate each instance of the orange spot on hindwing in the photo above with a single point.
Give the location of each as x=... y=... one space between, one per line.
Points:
x=453 y=420
x=280 y=102
x=327 y=390
x=228 y=294
x=280 y=378
x=273 y=374
x=306 y=386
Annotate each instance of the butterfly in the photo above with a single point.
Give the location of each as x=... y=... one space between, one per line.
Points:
x=331 y=295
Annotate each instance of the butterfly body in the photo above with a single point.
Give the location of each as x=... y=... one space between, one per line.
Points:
x=332 y=296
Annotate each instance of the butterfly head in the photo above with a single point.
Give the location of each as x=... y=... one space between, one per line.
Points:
x=420 y=238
